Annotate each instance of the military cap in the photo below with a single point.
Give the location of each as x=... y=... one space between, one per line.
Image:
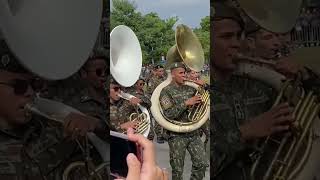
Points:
x=220 y=10
x=8 y=61
x=177 y=65
x=158 y=66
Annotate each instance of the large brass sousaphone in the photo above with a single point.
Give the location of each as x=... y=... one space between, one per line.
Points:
x=53 y=39
x=189 y=50
x=125 y=67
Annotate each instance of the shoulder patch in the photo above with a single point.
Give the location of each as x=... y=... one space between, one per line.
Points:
x=166 y=102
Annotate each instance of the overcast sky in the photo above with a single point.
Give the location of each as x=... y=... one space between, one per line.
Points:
x=190 y=12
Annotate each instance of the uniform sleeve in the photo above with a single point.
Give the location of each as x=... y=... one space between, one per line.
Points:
x=114 y=119
x=145 y=102
x=225 y=145
x=170 y=108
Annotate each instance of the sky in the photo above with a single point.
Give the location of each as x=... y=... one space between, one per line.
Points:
x=190 y=12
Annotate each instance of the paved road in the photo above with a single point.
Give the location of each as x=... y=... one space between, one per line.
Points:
x=162 y=151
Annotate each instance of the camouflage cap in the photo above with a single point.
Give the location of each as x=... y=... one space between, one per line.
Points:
x=221 y=11
x=176 y=65
x=158 y=66
x=8 y=62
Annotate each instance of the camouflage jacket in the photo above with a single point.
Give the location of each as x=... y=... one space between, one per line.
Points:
x=35 y=151
x=153 y=83
x=143 y=96
x=172 y=100
x=116 y=116
x=234 y=102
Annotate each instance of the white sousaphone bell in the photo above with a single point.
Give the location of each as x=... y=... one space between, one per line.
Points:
x=125 y=67
x=53 y=39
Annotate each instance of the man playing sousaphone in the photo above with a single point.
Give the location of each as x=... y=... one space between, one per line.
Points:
x=242 y=108
x=34 y=147
x=175 y=99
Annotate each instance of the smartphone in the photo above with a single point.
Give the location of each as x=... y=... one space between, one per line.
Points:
x=120 y=148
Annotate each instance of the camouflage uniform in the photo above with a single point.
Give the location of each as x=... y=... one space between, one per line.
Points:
x=37 y=151
x=116 y=117
x=121 y=111
x=172 y=100
x=152 y=84
x=235 y=101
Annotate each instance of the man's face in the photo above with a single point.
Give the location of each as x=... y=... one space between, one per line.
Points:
x=194 y=75
x=140 y=84
x=15 y=93
x=159 y=72
x=179 y=75
x=225 y=43
x=114 y=92
x=266 y=44
x=95 y=73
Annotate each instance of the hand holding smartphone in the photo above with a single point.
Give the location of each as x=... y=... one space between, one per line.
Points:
x=142 y=164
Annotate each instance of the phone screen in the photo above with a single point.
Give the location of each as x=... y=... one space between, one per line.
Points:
x=120 y=148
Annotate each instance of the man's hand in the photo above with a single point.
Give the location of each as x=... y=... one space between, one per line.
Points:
x=77 y=125
x=287 y=67
x=129 y=124
x=278 y=119
x=194 y=100
x=135 y=101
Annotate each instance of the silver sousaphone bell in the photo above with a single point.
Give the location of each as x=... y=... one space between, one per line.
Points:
x=125 y=68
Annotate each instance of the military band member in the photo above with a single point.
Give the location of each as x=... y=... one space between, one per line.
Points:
x=155 y=80
x=33 y=147
x=138 y=91
x=175 y=100
x=242 y=107
x=118 y=121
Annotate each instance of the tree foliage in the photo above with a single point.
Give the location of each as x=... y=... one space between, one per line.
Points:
x=156 y=35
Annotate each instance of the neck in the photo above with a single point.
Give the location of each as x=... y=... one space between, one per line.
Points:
x=176 y=83
x=140 y=91
x=97 y=94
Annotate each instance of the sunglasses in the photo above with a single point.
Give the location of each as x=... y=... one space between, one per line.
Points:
x=141 y=84
x=116 y=89
x=20 y=86
x=99 y=72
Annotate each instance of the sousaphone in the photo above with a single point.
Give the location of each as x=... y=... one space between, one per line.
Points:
x=292 y=155
x=125 y=68
x=53 y=39
x=188 y=50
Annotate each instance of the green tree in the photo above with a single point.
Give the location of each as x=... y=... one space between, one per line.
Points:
x=203 y=33
x=155 y=35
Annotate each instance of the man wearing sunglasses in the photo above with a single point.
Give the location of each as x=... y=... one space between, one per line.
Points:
x=119 y=121
x=32 y=147
x=93 y=99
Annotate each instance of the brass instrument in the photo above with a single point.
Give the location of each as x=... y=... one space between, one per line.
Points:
x=125 y=67
x=189 y=50
x=287 y=155
x=54 y=41
x=143 y=117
